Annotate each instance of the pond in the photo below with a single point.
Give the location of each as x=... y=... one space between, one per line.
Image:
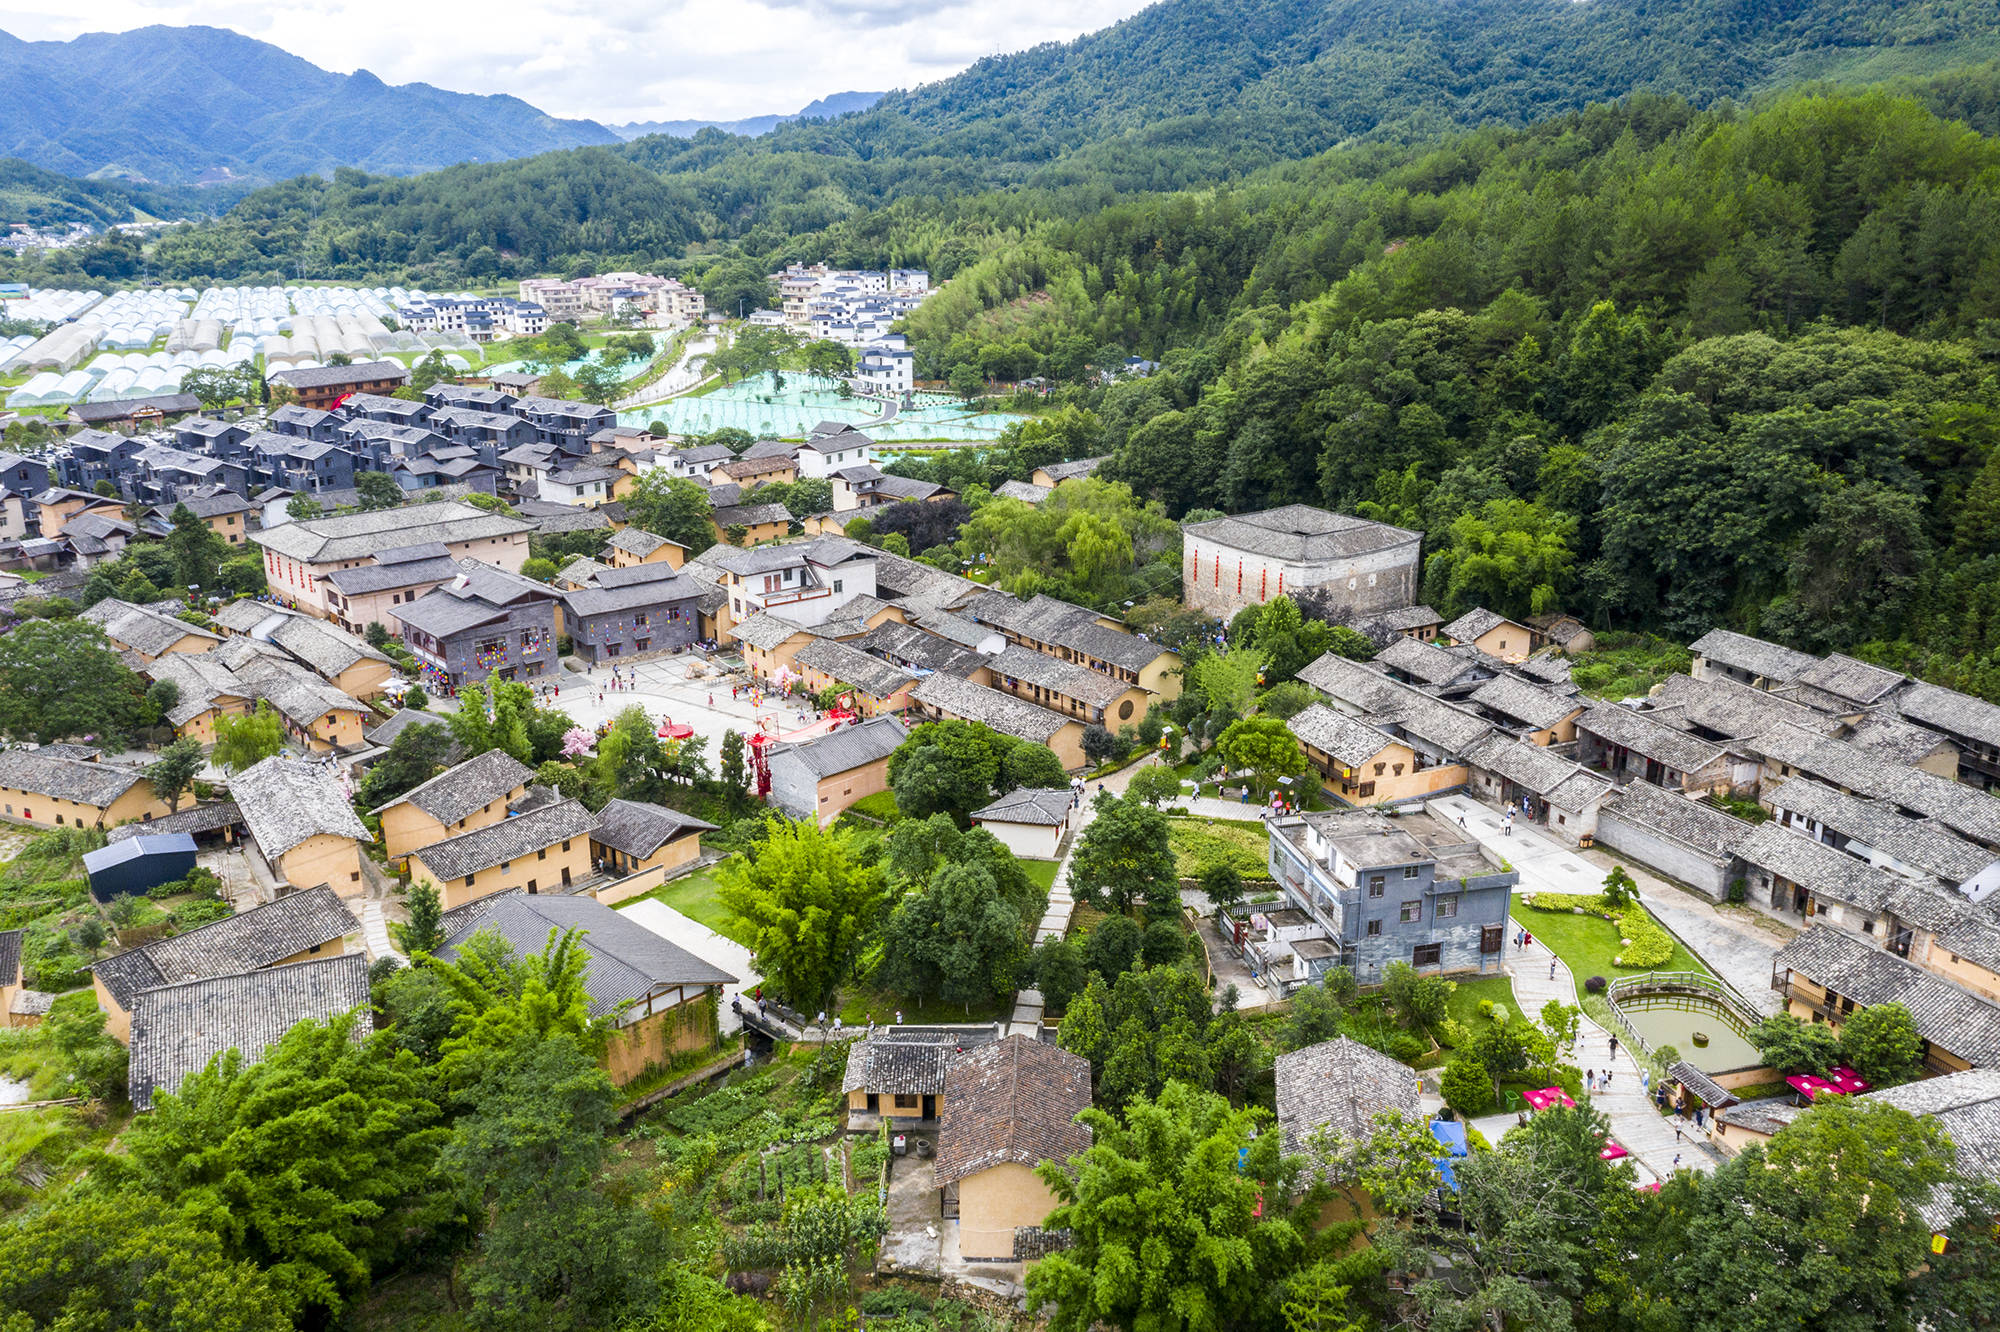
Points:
x=1672 y=1019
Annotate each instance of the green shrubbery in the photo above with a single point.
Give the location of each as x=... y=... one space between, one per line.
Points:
x=1646 y=943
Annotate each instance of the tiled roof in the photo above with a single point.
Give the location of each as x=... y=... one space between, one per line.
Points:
x=385 y=734
x=1393 y=705
x=1340 y=1086
x=1919 y=844
x=246 y=941
x=575 y=520
x=1781 y=665
x=990 y=707
x=846 y=749
x=1966 y=810
x=1302 y=534
x=1015 y=1101
x=1531 y=767
x=1025 y=491
x=458 y=792
x=1537 y=707
x=177 y=1029
x=1677 y=817
x=332 y=376
x=765 y=630
x=851 y=666
x=627 y=960
x=1952 y=1018
x=1426 y=663
x=639 y=829
x=1766 y=1114
x=510 y=839
x=202 y=678
x=141 y=629
x=960 y=629
x=1889 y=736
x=1069 y=471
x=635 y=542
x=1649 y=738
x=1951 y=712
x=614 y=596
x=10 y=957
x=199 y=819
x=1060 y=677
x=1474 y=623
x=750 y=515
x=325 y=647
x=1340 y=737
x=889 y=1066
x=1854 y=682
x=90 y=783
x=1046 y=807
x=353 y=536
x=1817 y=867
x=919 y=649
x=1712 y=1094
x=286 y=800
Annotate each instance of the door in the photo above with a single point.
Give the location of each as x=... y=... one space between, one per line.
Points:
x=930 y=1107
x=874 y=1104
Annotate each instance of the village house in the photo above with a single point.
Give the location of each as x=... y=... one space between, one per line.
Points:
x=1336 y=1093
x=1529 y=712
x=338 y=657
x=1564 y=633
x=948 y=698
x=631 y=837
x=1007 y=1108
x=226 y=514
x=474 y=794
x=1068 y=689
x=897 y=1073
x=546 y=847
x=483 y=621
x=630 y=546
x=1683 y=837
x=923 y=652
x=1246 y=560
x=822 y=777
x=52 y=790
x=807 y=582
x=635 y=611
x=1723 y=654
x=369 y=592
x=750 y=524
x=300 y=557
x=869 y=685
x=209 y=691
x=299 y=927
x=146 y=633
x=1825 y=975
x=323 y=386
x=1067 y=633
x=1628 y=745
x=1365 y=765
x=1031 y=822
x=301 y=824
x=1492 y=633
x=661 y=1000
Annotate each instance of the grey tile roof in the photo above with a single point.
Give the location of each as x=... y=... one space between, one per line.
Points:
x=243 y=615
x=990 y=707
x=1427 y=663
x=1967 y=811
x=919 y=587
x=89 y=783
x=1579 y=791
x=1302 y=534
x=354 y=536
x=635 y=542
x=324 y=646
x=1531 y=767
x=1046 y=807
x=1947 y=1016
x=365 y=579
x=141 y=629
x=889 y=1064
x=509 y=839
x=580 y=570
x=749 y=515
x=1345 y=740
x=1854 y=682
x=200 y=819
x=1817 y=867
x=330 y=376
x=639 y=829
x=1340 y=1086
x=1476 y=622
x=1015 y=1101
x=1677 y=817
x=458 y=792
x=286 y=800
x=1712 y=1095
x=10 y=956
x=177 y=1029
x=918 y=649
x=246 y=941
x=846 y=749
x=298 y=695
x=1950 y=712
x=209 y=506
x=627 y=960
x=1919 y=844
x=763 y=448
x=960 y=629
x=1069 y=471
x=1779 y=664
x=575 y=520
x=1537 y=707
x=203 y=680
x=1885 y=734
x=1648 y=737
x=1396 y=706
x=642 y=594
x=851 y=666
x=765 y=630
x=1060 y=677
x=1025 y=491
x=1766 y=1114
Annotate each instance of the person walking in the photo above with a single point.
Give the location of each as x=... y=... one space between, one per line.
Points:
x=1552 y=968
x=1527 y=938
x=1614 y=1047
x=899 y=1017
x=1606 y=1084
x=1590 y=1079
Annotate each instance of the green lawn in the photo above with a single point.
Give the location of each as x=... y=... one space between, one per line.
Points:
x=694 y=897
x=1200 y=842
x=1586 y=945
x=1464 y=1005
x=1041 y=872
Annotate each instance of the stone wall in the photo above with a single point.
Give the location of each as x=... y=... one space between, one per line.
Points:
x=1706 y=873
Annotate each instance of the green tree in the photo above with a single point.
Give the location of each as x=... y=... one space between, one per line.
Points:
x=1222 y=885
x=948 y=767
x=378 y=490
x=809 y=905
x=244 y=742
x=503 y=1003
x=1790 y=1045
x=966 y=382
x=318 y=1211
x=672 y=507
x=197 y=552
x=542 y=571
x=304 y=508
x=417 y=754
x=735 y=774
x=125 y=1259
x=59 y=678
x=1124 y=858
x=956 y=939
x=1154 y=784
x=1467 y=1087
x=173 y=772
x=1264 y=748
x=1882 y=1044
x=1513 y=556
x=424 y=932
x=1112 y=949
x=1619 y=888
x=1419 y=1001
x=1176 y=1217
x=1059 y=973
x=1230 y=680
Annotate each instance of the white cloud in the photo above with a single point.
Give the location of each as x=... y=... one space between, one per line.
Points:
x=681 y=59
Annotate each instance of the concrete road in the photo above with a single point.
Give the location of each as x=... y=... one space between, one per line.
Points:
x=716 y=949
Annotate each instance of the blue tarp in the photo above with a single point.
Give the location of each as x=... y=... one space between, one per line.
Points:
x=1452 y=1134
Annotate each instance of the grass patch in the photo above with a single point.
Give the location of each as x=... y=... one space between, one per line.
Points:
x=881 y=807
x=1628 y=665
x=1463 y=1007
x=860 y=1005
x=1586 y=944
x=1041 y=873
x=1200 y=843
x=695 y=898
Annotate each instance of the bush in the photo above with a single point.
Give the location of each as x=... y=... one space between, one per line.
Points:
x=202 y=911
x=1739 y=892
x=1594 y=985
x=881 y=807
x=1467 y=1087
x=1648 y=944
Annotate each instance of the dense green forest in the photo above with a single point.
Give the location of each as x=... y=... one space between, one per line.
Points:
x=1185 y=93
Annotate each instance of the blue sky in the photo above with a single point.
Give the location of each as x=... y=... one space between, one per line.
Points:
x=673 y=59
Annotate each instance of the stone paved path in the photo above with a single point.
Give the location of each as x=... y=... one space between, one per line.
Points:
x=375 y=931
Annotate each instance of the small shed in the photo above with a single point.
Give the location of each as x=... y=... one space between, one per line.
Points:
x=138 y=863
x=1030 y=822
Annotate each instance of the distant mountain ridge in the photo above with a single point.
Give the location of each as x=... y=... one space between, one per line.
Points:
x=824 y=108
x=175 y=104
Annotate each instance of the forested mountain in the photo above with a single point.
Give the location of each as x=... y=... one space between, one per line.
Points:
x=821 y=108
x=180 y=104
x=43 y=198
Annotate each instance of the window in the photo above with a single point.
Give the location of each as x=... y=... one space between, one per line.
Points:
x=641 y=620
x=1374 y=929
x=495 y=647
x=1409 y=871
x=1366 y=789
x=1426 y=955
x=354 y=876
x=1413 y=911
x=836 y=585
x=1447 y=907
x=907 y=1103
x=531 y=885
x=565 y=845
x=542 y=854
x=468 y=880
x=1490 y=939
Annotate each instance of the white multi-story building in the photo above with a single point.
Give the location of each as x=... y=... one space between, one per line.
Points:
x=888 y=367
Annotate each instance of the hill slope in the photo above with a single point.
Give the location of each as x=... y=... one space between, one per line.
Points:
x=823 y=108
x=172 y=104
